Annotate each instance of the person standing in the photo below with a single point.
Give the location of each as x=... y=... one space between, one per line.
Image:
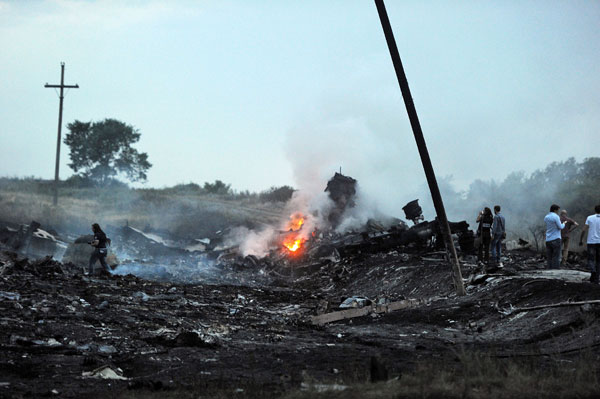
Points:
x=100 y=251
x=570 y=225
x=498 y=234
x=592 y=228
x=553 y=229
x=485 y=219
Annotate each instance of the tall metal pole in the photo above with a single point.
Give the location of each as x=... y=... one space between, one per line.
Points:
x=60 y=110
x=418 y=133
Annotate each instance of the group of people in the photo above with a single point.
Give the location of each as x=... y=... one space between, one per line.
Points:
x=491 y=231
x=558 y=232
x=558 y=229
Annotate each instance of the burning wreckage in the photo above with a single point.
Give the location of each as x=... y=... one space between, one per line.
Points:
x=304 y=241
x=313 y=236
x=311 y=308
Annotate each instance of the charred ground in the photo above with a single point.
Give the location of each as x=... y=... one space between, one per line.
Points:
x=369 y=312
x=61 y=331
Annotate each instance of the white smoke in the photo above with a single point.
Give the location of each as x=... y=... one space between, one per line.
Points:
x=314 y=206
x=380 y=154
x=250 y=242
x=366 y=209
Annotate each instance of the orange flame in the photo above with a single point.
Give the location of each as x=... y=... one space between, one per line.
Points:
x=293 y=244
x=296 y=222
x=293 y=240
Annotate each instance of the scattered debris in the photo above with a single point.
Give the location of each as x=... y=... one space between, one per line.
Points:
x=363 y=311
x=512 y=310
x=361 y=305
x=105 y=372
x=160 y=331
x=355 y=302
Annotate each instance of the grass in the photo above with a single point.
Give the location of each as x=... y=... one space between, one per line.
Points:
x=479 y=376
x=473 y=375
x=183 y=213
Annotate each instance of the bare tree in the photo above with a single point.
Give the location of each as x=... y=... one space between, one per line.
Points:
x=538 y=232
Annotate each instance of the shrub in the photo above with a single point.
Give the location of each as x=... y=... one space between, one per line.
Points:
x=277 y=194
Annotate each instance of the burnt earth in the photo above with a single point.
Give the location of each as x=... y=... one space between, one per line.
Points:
x=58 y=326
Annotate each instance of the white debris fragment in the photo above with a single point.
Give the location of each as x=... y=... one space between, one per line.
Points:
x=105 y=372
x=322 y=387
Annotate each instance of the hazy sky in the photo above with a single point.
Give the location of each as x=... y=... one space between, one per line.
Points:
x=263 y=93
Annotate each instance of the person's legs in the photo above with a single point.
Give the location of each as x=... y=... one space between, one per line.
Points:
x=499 y=249
x=485 y=242
x=594 y=261
x=93 y=258
x=102 y=258
x=565 y=250
x=548 y=255
x=556 y=254
x=495 y=254
x=597 y=256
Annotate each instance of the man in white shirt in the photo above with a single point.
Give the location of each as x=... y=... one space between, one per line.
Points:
x=592 y=228
x=553 y=228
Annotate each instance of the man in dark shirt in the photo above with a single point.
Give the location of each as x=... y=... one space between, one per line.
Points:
x=565 y=234
x=498 y=234
x=485 y=219
x=100 y=251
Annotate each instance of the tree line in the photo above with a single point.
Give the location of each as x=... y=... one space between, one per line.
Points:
x=102 y=155
x=526 y=198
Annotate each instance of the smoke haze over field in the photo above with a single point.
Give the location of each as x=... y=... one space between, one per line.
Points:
x=259 y=94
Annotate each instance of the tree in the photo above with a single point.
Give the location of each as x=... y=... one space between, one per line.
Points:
x=102 y=150
x=218 y=187
x=277 y=194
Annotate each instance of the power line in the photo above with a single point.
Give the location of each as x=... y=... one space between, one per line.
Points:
x=62 y=86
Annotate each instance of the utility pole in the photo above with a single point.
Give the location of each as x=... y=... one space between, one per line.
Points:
x=418 y=133
x=62 y=86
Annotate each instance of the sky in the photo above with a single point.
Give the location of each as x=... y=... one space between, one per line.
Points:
x=268 y=93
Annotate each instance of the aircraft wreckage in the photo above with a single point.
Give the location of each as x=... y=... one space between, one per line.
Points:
x=198 y=317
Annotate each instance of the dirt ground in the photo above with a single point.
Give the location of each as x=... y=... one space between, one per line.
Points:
x=67 y=335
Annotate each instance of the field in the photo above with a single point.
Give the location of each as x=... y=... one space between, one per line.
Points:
x=183 y=213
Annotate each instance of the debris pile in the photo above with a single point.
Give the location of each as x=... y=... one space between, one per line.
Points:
x=362 y=305
x=31 y=240
x=341 y=190
x=299 y=248
x=67 y=333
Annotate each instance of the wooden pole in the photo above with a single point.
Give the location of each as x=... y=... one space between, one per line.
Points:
x=61 y=96
x=424 y=153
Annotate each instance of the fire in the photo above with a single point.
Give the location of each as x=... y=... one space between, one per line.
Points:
x=296 y=221
x=293 y=244
x=294 y=240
